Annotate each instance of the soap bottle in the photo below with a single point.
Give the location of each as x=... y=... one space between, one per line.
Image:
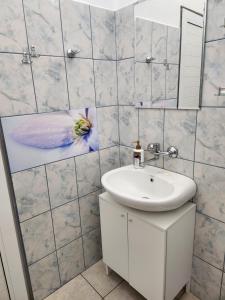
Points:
x=138 y=156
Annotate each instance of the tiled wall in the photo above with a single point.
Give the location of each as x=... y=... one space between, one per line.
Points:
x=3 y=287
x=200 y=137
x=58 y=202
x=60 y=220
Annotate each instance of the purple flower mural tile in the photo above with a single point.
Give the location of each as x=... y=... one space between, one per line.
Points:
x=37 y=139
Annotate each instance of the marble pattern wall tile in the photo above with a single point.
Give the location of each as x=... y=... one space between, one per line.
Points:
x=38 y=237
x=80 y=82
x=50 y=84
x=31 y=192
x=173 y=45
x=16 y=87
x=223 y=288
x=125 y=69
x=126 y=156
x=181 y=166
x=214 y=74
x=92 y=247
x=125 y=29
x=103 y=33
x=12 y=27
x=66 y=222
x=209 y=241
x=128 y=125
x=108 y=126
x=88 y=173
x=89 y=212
x=210 y=197
x=158 y=84
x=76 y=26
x=3 y=286
x=105 y=82
x=155 y=163
x=159 y=41
x=44 y=26
x=206 y=280
x=143 y=38
x=151 y=126
x=62 y=182
x=180 y=133
x=172 y=82
x=215 y=20
x=143 y=80
x=210 y=142
x=71 y=260
x=170 y=103
x=44 y=277
x=109 y=159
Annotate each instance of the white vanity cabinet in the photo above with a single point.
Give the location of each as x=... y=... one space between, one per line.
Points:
x=152 y=251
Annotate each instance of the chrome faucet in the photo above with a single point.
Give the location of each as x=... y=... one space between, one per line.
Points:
x=154 y=148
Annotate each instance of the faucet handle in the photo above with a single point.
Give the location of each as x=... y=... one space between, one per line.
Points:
x=153 y=147
x=172 y=152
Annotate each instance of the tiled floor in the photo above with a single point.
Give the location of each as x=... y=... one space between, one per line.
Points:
x=94 y=284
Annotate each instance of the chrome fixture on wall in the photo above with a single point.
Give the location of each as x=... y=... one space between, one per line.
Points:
x=149 y=59
x=166 y=64
x=154 y=148
x=26 y=58
x=33 y=52
x=72 y=53
x=221 y=92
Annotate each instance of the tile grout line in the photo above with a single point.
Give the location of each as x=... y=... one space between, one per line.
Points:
x=91 y=285
x=28 y=49
x=82 y=241
x=117 y=87
x=65 y=64
x=221 y=283
x=53 y=230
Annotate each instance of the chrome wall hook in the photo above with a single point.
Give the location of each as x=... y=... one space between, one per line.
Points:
x=149 y=59
x=26 y=58
x=33 y=52
x=221 y=92
x=166 y=64
x=72 y=53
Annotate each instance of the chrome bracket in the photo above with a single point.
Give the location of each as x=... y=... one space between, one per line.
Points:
x=26 y=58
x=33 y=52
x=149 y=59
x=72 y=53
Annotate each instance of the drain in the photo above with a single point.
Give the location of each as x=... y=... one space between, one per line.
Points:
x=144 y=197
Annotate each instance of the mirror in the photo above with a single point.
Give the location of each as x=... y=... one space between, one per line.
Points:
x=169 y=53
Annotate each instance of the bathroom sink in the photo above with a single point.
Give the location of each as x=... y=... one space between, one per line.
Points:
x=149 y=189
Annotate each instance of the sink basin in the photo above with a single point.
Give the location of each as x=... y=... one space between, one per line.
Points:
x=149 y=189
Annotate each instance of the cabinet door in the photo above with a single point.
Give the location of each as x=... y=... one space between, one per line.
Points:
x=114 y=237
x=147 y=248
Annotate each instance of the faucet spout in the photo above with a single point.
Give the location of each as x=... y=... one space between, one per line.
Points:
x=154 y=148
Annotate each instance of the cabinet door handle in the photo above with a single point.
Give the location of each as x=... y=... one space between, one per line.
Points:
x=130 y=220
x=122 y=215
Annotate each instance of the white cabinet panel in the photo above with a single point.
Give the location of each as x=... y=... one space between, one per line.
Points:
x=114 y=238
x=152 y=251
x=180 y=239
x=147 y=248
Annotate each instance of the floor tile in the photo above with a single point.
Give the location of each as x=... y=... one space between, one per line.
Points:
x=188 y=297
x=97 y=277
x=124 y=292
x=76 y=289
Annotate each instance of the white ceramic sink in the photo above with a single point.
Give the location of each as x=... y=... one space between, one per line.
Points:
x=149 y=189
